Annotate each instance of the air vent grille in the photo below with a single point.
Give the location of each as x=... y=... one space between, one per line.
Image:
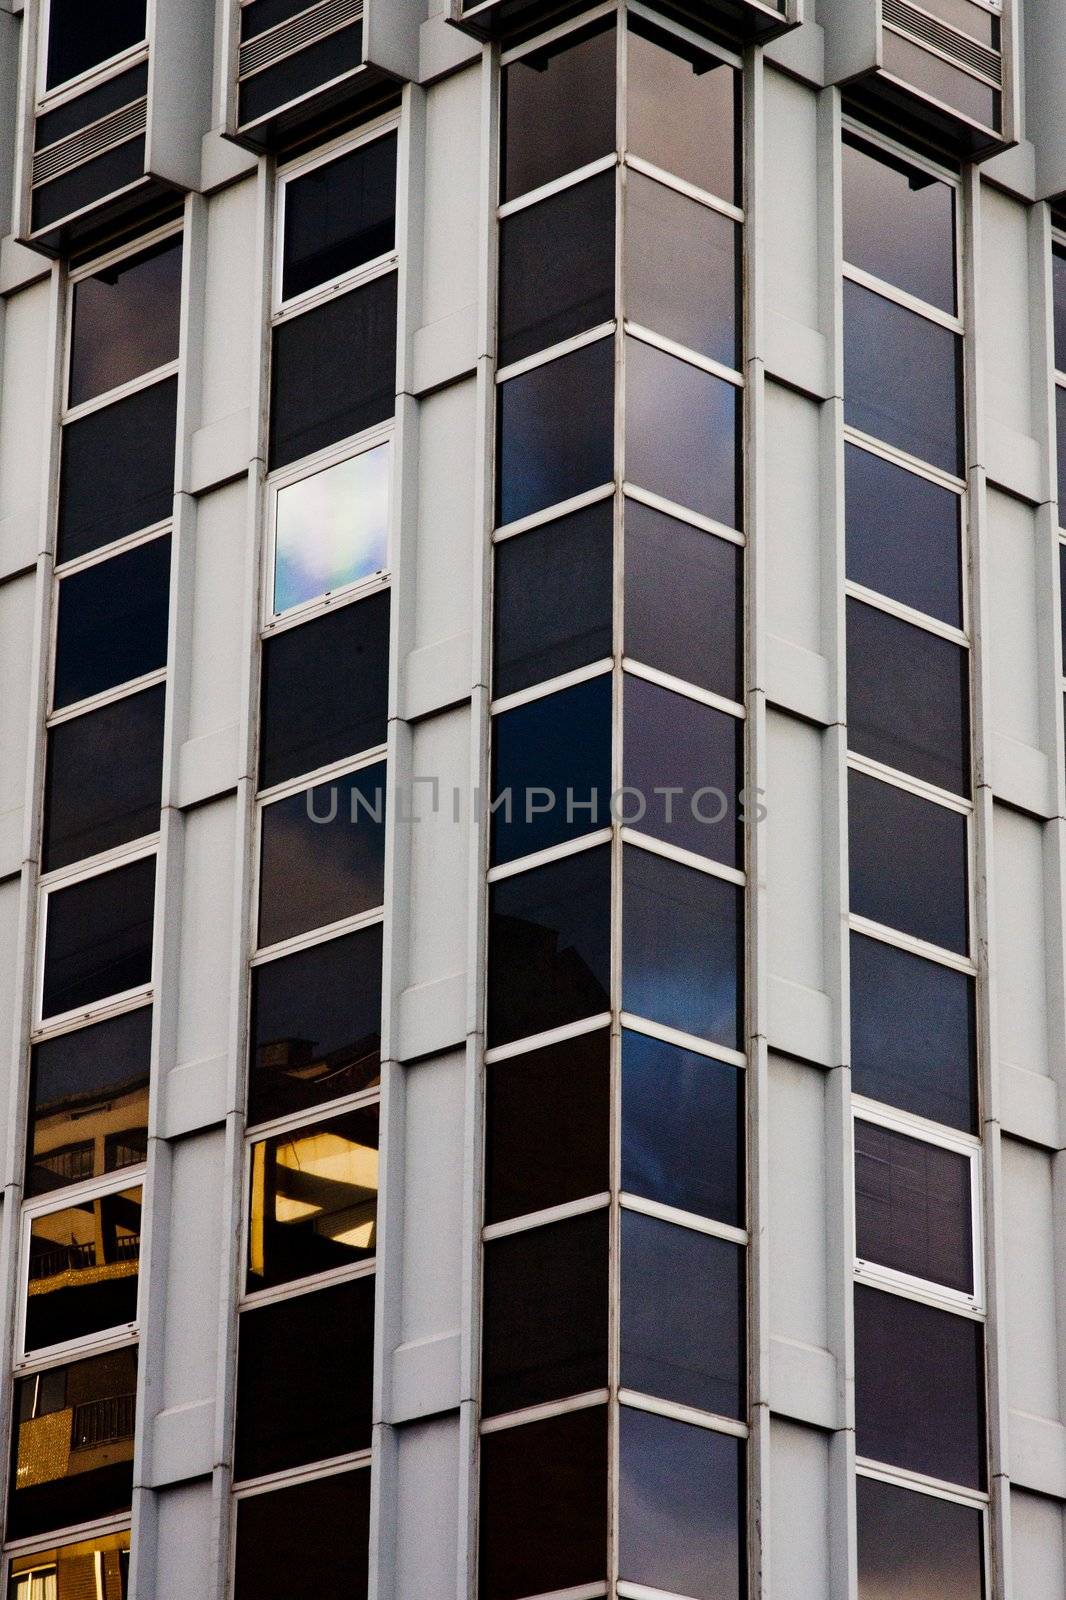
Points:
x=957 y=47
x=66 y=154
x=267 y=49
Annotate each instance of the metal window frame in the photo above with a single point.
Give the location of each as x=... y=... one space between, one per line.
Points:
x=46 y=99
x=65 y=878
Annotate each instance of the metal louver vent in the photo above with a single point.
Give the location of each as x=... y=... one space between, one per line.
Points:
x=957 y=47
x=66 y=154
x=268 y=48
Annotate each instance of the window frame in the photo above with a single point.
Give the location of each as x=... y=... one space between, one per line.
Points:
x=65 y=878
x=960 y=1144
x=936 y=1489
x=70 y=88
x=290 y=1478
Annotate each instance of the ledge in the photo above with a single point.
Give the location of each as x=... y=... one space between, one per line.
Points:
x=800 y=1022
x=425 y=1378
x=20 y=266
x=1037 y=1454
x=444 y=351
x=1014 y=461
x=208 y=767
x=432 y=1018
x=796 y=356
x=803 y=1383
x=182 y=1444
x=1020 y=776
x=194 y=1096
x=437 y=676
x=1029 y=1106
x=220 y=452
x=798 y=680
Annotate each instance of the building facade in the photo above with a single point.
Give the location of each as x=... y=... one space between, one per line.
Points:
x=532 y=799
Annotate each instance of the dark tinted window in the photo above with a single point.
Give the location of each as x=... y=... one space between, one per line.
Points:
x=682 y=1315
x=319 y=1529
x=89 y=183
x=682 y=433
x=112 y=623
x=550 y=946
x=89 y=1101
x=683 y=108
x=99 y=1561
x=1060 y=438
x=125 y=320
x=682 y=600
x=1062 y=604
x=681 y=269
x=913 y=1034
x=902 y=378
x=899 y=225
x=915 y=1545
x=681 y=947
x=105 y=773
x=86 y=1412
x=912 y=1207
x=325 y=690
x=90 y=105
x=682 y=1129
x=680 y=1507
x=543 y=1521
x=908 y=698
x=903 y=536
x=674 y=743
x=322 y=855
x=553 y=599
x=555 y=430
x=301 y=72
x=556 y=268
x=919 y=1388
x=558 y=111
x=551 y=769
x=82 y=1269
x=313 y=1203
x=80 y=38
x=908 y=862
x=304 y=1378
x=545 y=1313
x=548 y=1127
x=99 y=937
x=316 y=1025
x=339 y=215
x=333 y=371
x=1058 y=283
x=117 y=472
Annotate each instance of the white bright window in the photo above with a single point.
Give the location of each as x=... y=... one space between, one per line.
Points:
x=331 y=529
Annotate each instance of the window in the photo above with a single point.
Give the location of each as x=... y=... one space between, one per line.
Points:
x=338 y=215
x=104 y=779
x=139 y=295
x=318 y=1528
x=300 y=73
x=331 y=529
x=912 y=1545
x=1058 y=295
x=558 y=110
x=902 y=379
x=908 y=860
x=112 y=622
x=683 y=111
x=555 y=431
x=682 y=763
x=315 y=1026
x=101 y=1559
x=81 y=1269
x=915 y=1207
x=117 y=470
x=87 y=1087
x=79 y=40
x=682 y=433
x=899 y=224
x=313 y=1203
x=903 y=536
x=557 y=268
x=98 y=937
x=682 y=268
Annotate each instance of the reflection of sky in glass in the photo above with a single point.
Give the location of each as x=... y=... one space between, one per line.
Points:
x=332 y=528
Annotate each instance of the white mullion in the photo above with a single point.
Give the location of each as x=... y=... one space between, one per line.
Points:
x=680 y=513
x=900 y=297
x=380 y=267
x=109 y=552
x=543 y=1413
x=935 y=1488
x=106 y=697
x=44 y=1543
x=552 y=36
x=896 y=779
x=331 y=1467
x=254 y=1299
x=551 y=686
x=320 y=775
x=316 y=936
x=681 y=686
x=684 y=1041
x=122 y=391
x=710 y=1421
x=295 y=1122
x=901 y=458
x=670 y=180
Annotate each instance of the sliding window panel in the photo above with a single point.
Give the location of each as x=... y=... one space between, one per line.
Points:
x=683 y=110
x=912 y=1545
x=139 y=295
x=557 y=268
x=82 y=1269
x=904 y=535
x=908 y=860
x=338 y=216
x=555 y=431
x=902 y=379
x=682 y=269
x=558 y=110
x=899 y=224
x=683 y=433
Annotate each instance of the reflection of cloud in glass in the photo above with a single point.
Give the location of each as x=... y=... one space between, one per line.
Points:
x=332 y=528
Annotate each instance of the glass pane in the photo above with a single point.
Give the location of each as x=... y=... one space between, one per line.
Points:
x=682 y=600
x=94 y=1566
x=903 y=536
x=682 y=1129
x=339 y=216
x=902 y=379
x=908 y=863
x=543 y=1521
x=304 y=1379
x=325 y=690
x=683 y=110
x=89 y=1101
x=899 y=224
x=125 y=320
x=682 y=943
x=550 y=946
x=682 y=433
x=112 y=623
x=333 y=371
x=82 y=1269
x=551 y=770
x=104 y=779
x=1058 y=286
x=553 y=599
x=316 y=1026
x=695 y=754
x=681 y=1507
x=912 y=1207
x=558 y=110
x=1060 y=446
x=314 y=1197
x=322 y=855
x=912 y=1546
x=90 y=105
x=332 y=529
x=545 y=1313
x=79 y=39
x=73 y=1444
x=98 y=939
x=919 y=1388
x=301 y=72
x=908 y=698
x=913 y=1034
x=117 y=471
x=682 y=1316
x=555 y=432
x=682 y=269
x=547 y=1127
x=318 y=1529
x=557 y=268
x=1062 y=606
